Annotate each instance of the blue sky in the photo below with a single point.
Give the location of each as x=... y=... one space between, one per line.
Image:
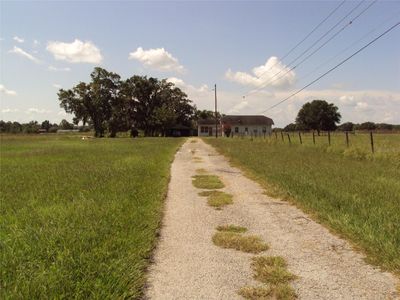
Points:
x=237 y=45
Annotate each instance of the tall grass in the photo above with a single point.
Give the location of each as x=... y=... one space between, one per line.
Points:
x=79 y=218
x=357 y=198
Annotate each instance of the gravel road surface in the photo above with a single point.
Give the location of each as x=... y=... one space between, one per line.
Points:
x=188 y=266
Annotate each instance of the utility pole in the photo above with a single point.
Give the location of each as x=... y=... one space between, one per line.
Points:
x=216 y=116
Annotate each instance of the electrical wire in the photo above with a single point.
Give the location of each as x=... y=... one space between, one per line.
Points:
x=333 y=68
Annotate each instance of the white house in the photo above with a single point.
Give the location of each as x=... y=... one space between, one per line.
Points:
x=247 y=125
x=236 y=125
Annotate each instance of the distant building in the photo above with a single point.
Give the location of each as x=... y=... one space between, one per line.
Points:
x=247 y=125
x=237 y=125
x=206 y=127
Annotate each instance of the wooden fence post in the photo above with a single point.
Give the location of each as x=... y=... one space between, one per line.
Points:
x=329 y=138
x=282 y=135
x=372 y=142
x=347 y=139
x=288 y=136
x=313 y=137
x=301 y=142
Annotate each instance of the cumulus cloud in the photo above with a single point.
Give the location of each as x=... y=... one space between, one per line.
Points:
x=6 y=91
x=271 y=74
x=56 y=69
x=188 y=88
x=75 y=52
x=239 y=107
x=21 y=52
x=57 y=86
x=158 y=59
x=9 y=110
x=62 y=113
x=34 y=110
x=18 y=39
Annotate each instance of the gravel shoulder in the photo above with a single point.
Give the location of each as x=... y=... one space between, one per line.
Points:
x=187 y=265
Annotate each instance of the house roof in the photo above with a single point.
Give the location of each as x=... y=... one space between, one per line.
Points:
x=206 y=122
x=247 y=120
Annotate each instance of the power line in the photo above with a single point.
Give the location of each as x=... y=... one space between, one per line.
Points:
x=335 y=67
x=321 y=46
x=307 y=36
x=350 y=46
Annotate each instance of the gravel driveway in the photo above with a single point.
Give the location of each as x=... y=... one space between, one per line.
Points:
x=188 y=266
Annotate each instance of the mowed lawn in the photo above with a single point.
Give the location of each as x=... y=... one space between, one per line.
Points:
x=357 y=198
x=79 y=217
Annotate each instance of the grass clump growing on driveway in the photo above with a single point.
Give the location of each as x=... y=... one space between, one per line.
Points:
x=209 y=182
x=280 y=292
x=217 y=199
x=232 y=228
x=201 y=171
x=245 y=243
x=271 y=270
x=79 y=218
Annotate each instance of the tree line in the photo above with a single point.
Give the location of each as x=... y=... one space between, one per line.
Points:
x=111 y=104
x=35 y=127
x=320 y=115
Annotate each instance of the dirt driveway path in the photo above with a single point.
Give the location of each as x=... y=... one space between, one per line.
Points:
x=187 y=265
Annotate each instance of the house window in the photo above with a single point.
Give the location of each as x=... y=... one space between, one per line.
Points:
x=255 y=130
x=236 y=129
x=246 y=129
x=205 y=129
x=264 y=129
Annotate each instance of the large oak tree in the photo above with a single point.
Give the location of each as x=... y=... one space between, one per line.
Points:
x=318 y=115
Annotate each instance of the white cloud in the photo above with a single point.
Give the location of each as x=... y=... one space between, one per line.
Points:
x=272 y=74
x=36 y=43
x=5 y=91
x=18 y=39
x=362 y=106
x=239 y=107
x=9 y=110
x=62 y=113
x=56 y=69
x=23 y=53
x=158 y=59
x=347 y=100
x=57 y=86
x=34 y=110
x=75 y=52
x=188 y=88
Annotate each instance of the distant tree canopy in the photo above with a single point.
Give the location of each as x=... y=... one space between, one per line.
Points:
x=109 y=103
x=290 y=127
x=348 y=126
x=318 y=115
x=366 y=126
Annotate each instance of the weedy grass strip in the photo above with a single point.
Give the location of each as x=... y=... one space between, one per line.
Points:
x=356 y=197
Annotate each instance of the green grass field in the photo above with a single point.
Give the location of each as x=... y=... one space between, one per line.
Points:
x=79 y=218
x=356 y=196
